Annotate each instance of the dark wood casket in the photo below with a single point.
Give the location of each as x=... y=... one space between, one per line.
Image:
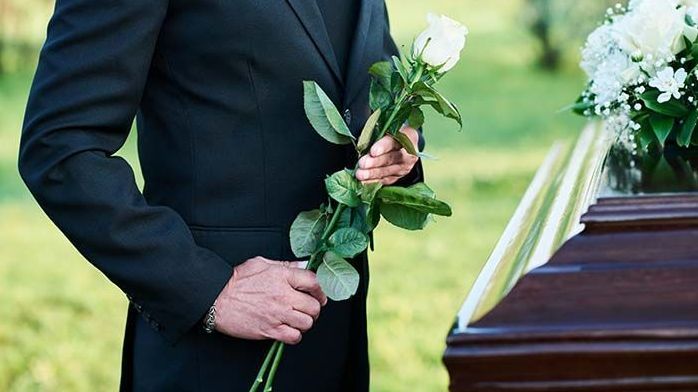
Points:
x=594 y=284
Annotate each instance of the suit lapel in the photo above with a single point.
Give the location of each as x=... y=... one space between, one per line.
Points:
x=311 y=18
x=362 y=47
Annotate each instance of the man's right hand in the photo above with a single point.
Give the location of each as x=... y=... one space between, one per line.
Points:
x=268 y=299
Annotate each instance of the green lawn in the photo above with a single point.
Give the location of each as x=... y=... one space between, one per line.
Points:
x=61 y=322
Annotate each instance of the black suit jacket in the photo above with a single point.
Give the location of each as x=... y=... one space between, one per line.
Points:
x=227 y=154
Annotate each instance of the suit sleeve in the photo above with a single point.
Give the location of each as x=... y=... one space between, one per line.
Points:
x=391 y=49
x=86 y=92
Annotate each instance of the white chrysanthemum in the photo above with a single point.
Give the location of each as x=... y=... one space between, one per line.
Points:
x=599 y=46
x=669 y=83
x=611 y=76
x=652 y=29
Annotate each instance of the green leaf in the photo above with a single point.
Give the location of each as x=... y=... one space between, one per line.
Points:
x=581 y=106
x=324 y=116
x=662 y=126
x=306 y=232
x=687 y=129
x=405 y=142
x=338 y=279
x=441 y=105
x=396 y=84
x=673 y=108
x=367 y=132
x=646 y=135
x=401 y=69
x=348 y=242
x=368 y=191
x=417 y=197
x=404 y=217
x=379 y=97
x=383 y=72
x=344 y=188
x=405 y=207
x=416 y=119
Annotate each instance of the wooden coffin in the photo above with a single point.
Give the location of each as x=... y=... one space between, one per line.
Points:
x=594 y=284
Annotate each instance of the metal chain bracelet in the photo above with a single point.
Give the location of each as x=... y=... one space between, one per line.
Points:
x=210 y=320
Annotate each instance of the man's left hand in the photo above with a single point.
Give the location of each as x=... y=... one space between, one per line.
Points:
x=387 y=162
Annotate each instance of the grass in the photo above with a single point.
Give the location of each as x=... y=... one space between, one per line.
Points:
x=61 y=321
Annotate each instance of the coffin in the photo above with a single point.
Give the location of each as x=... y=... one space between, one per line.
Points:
x=594 y=283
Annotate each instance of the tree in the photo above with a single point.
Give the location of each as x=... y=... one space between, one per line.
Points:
x=22 y=27
x=561 y=24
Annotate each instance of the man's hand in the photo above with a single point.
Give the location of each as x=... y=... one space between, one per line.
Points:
x=268 y=299
x=387 y=162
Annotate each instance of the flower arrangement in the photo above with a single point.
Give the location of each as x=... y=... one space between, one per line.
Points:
x=339 y=229
x=642 y=64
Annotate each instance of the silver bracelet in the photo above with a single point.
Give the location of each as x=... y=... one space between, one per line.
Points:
x=210 y=320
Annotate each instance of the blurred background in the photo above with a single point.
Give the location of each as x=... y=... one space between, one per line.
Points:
x=61 y=321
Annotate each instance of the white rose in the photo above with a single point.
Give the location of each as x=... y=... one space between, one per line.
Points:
x=441 y=43
x=652 y=29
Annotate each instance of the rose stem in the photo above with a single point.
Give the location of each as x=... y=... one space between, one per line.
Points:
x=274 y=367
x=260 y=375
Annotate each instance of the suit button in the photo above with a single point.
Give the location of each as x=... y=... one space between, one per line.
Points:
x=347 y=116
x=138 y=307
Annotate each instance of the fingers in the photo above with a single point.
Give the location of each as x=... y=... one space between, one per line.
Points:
x=391 y=158
x=390 y=180
x=378 y=174
x=305 y=303
x=385 y=145
x=387 y=161
x=306 y=281
x=298 y=320
x=286 y=334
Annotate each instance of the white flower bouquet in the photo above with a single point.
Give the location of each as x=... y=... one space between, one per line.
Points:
x=339 y=229
x=642 y=64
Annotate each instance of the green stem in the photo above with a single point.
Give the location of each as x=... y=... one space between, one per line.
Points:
x=262 y=370
x=401 y=99
x=312 y=263
x=277 y=349
x=274 y=367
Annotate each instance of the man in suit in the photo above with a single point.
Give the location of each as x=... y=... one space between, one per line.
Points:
x=228 y=159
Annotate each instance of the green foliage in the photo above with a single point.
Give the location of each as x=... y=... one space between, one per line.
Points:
x=687 y=129
x=368 y=131
x=348 y=242
x=379 y=98
x=405 y=142
x=382 y=72
x=338 y=279
x=436 y=100
x=306 y=232
x=324 y=116
x=672 y=108
x=662 y=126
x=343 y=187
x=409 y=208
x=417 y=197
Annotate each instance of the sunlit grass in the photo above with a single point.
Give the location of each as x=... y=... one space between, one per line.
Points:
x=61 y=321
